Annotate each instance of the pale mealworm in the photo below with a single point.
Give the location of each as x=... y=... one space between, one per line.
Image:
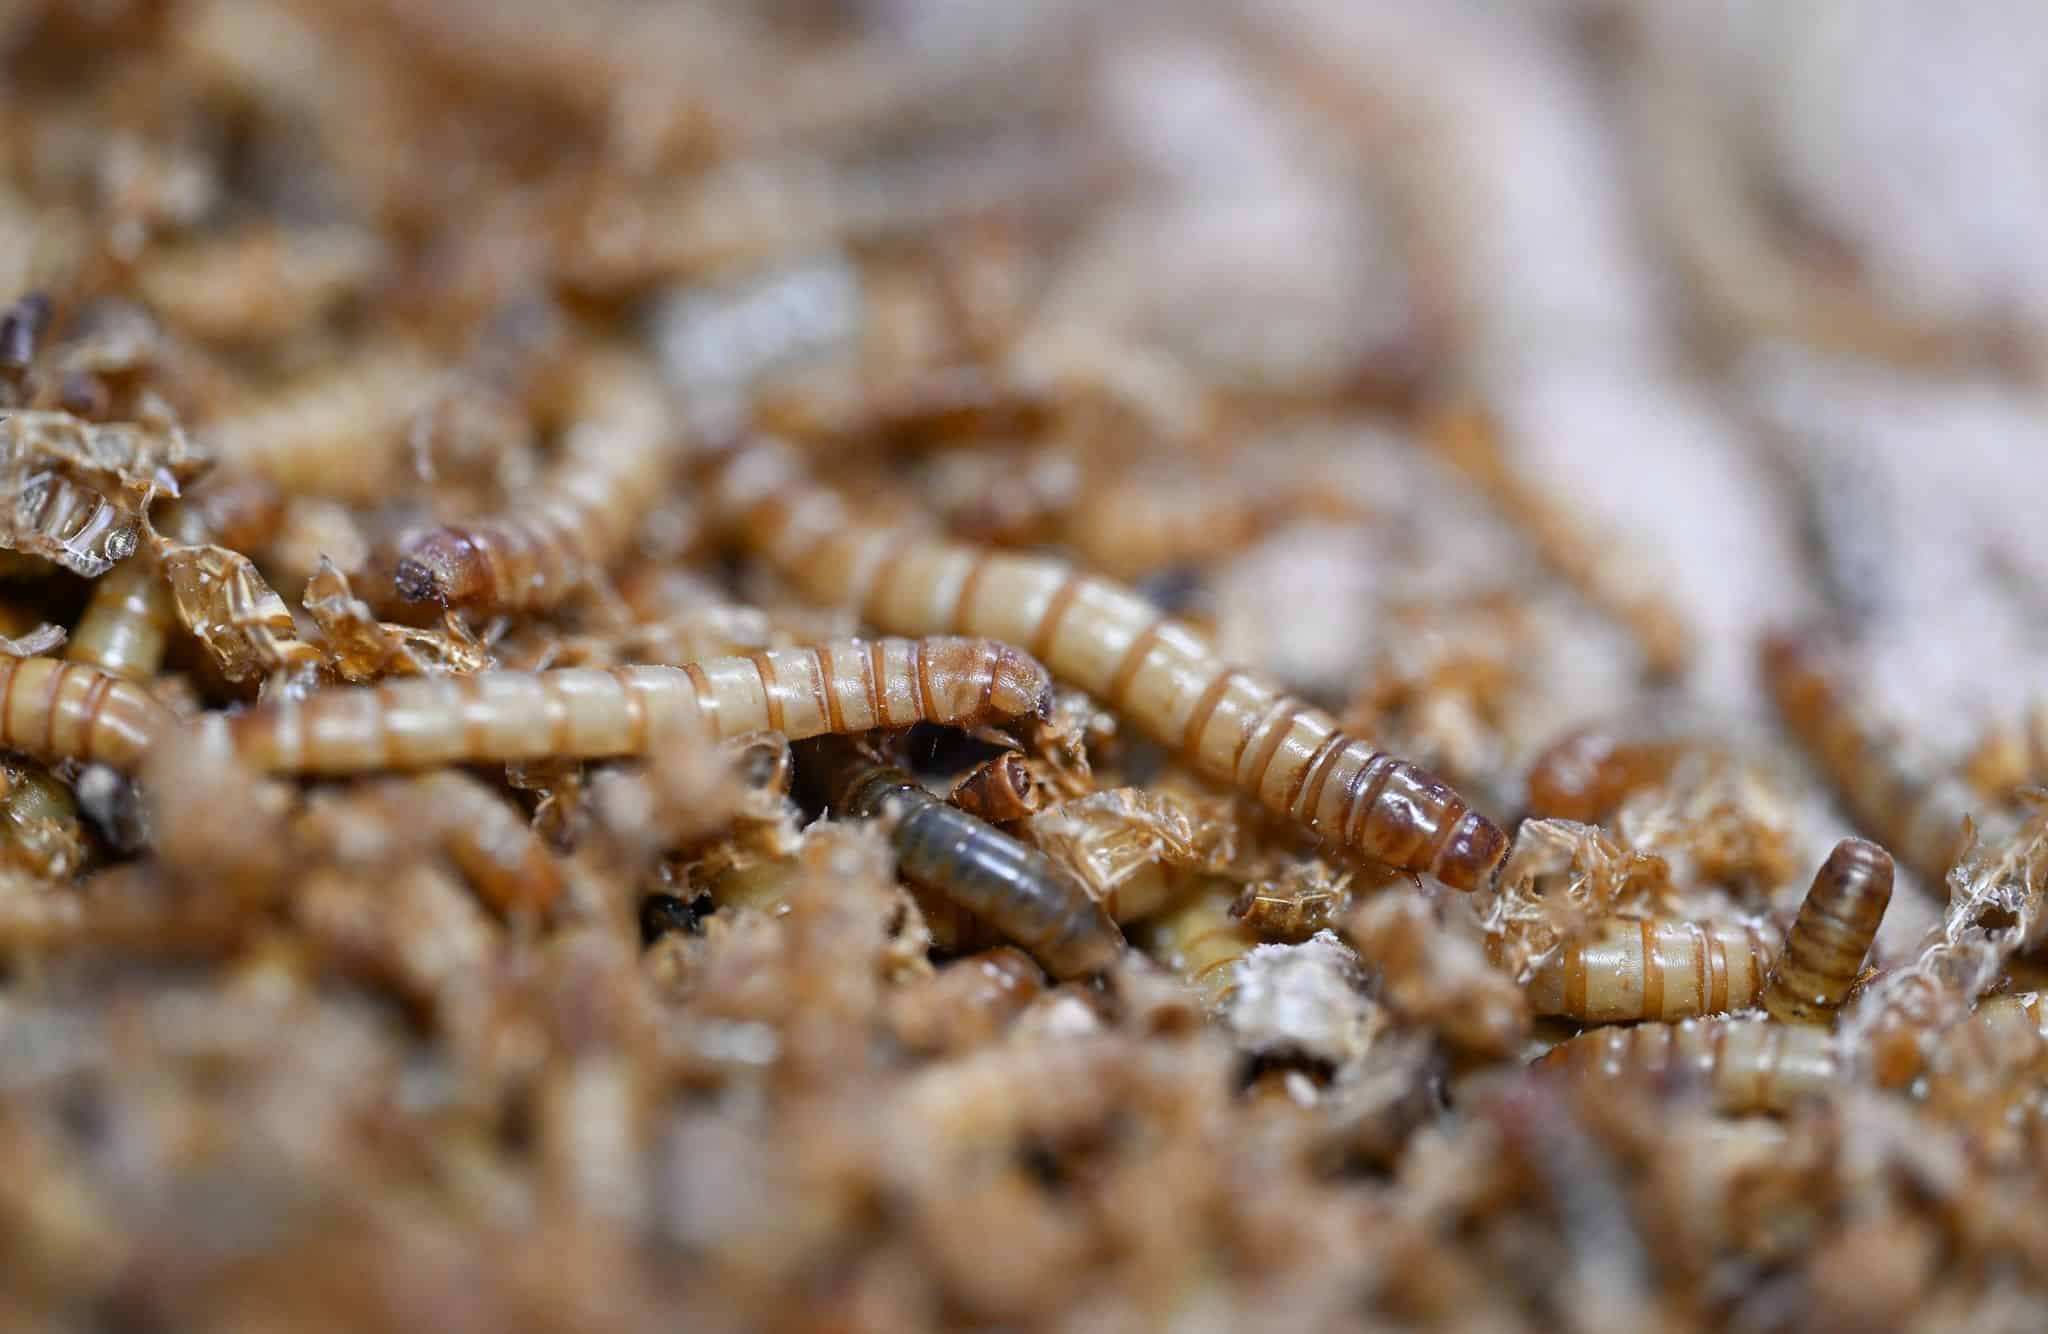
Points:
x=1228 y=725
x=488 y=839
x=1837 y=922
x=68 y=711
x=1015 y=888
x=580 y=518
x=127 y=622
x=1653 y=968
x=1747 y=1065
x=587 y=713
x=1197 y=938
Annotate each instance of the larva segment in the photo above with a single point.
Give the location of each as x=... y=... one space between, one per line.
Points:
x=55 y=710
x=1920 y=815
x=578 y=520
x=1230 y=726
x=127 y=622
x=1653 y=968
x=587 y=713
x=489 y=841
x=1586 y=774
x=1199 y=939
x=1837 y=922
x=1015 y=888
x=1746 y=1065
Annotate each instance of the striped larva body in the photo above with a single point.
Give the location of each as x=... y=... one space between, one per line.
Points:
x=1653 y=968
x=1748 y=1065
x=127 y=622
x=1013 y=887
x=1921 y=816
x=1229 y=725
x=1197 y=937
x=489 y=841
x=1837 y=922
x=56 y=710
x=577 y=522
x=587 y=713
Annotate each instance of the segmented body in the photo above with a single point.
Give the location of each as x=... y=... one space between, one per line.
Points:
x=1015 y=888
x=68 y=711
x=578 y=520
x=127 y=622
x=1586 y=774
x=586 y=713
x=1197 y=937
x=1228 y=725
x=489 y=841
x=1837 y=922
x=1653 y=968
x=1921 y=816
x=1747 y=1065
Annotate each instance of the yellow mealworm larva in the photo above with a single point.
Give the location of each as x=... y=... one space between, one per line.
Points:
x=1197 y=938
x=579 y=519
x=488 y=839
x=586 y=713
x=68 y=711
x=1653 y=968
x=1229 y=725
x=1748 y=1065
x=1836 y=923
x=127 y=622
x=340 y=433
x=1921 y=816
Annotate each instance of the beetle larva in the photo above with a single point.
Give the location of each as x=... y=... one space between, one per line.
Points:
x=1015 y=888
x=1653 y=968
x=40 y=828
x=68 y=711
x=1229 y=725
x=488 y=839
x=1836 y=923
x=580 y=518
x=1921 y=816
x=127 y=622
x=586 y=713
x=1748 y=1065
x=1197 y=937
x=1585 y=775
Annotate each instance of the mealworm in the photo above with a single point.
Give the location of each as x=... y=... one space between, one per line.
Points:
x=1016 y=889
x=968 y=1002
x=586 y=713
x=1471 y=441
x=1921 y=817
x=339 y=433
x=1653 y=968
x=68 y=711
x=1586 y=774
x=1197 y=938
x=127 y=622
x=1748 y=1065
x=1837 y=922
x=1229 y=725
x=580 y=519
x=488 y=839
x=40 y=828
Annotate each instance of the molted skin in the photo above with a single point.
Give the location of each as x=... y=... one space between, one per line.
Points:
x=1747 y=1065
x=1653 y=969
x=1229 y=726
x=70 y=711
x=1015 y=888
x=587 y=713
x=1837 y=921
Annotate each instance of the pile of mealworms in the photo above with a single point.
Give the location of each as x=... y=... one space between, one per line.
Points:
x=909 y=664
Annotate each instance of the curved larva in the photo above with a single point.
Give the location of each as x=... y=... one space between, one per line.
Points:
x=586 y=713
x=1919 y=815
x=56 y=710
x=1653 y=968
x=1013 y=887
x=1748 y=1065
x=1229 y=725
x=127 y=622
x=1837 y=922
x=1198 y=938
x=576 y=523
x=489 y=841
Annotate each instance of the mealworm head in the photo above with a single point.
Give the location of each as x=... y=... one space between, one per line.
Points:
x=445 y=566
x=1019 y=685
x=1471 y=854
